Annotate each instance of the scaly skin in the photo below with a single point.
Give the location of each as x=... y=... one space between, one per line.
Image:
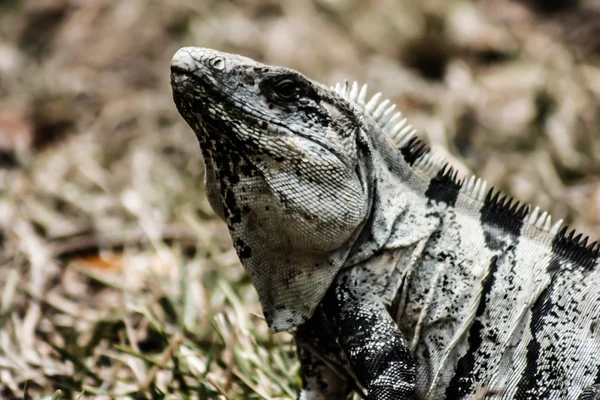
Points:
x=399 y=279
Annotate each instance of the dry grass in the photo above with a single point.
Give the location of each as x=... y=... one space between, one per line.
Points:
x=117 y=281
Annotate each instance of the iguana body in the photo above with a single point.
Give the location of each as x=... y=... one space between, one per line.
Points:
x=399 y=279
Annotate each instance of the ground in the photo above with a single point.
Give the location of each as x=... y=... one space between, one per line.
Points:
x=117 y=280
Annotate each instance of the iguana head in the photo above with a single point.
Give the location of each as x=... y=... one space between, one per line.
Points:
x=282 y=169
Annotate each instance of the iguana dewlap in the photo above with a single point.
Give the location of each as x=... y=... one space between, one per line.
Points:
x=398 y=278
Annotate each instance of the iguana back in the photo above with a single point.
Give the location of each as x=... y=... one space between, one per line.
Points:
x=497 y=297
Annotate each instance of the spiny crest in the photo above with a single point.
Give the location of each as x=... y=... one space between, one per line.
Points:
x=576 y=248
x=505 y=205
x=384 y=113
x=417 y=153
x=428 y=163
x=502 y=212
x=544 y=221
x=449 y=173
x=475 y=187
x=414 y=151
x=445 y=186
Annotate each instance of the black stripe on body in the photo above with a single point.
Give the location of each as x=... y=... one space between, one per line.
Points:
x=501 y=212
x=529 y=385
x=502 y=220
x=461 y=384
x=575 y=249
x=413 y=150
x=568 y=253
x=445 y=186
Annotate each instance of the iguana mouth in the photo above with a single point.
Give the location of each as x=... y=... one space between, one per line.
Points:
x=176 y=69
x=179 y=76
x=187 y=82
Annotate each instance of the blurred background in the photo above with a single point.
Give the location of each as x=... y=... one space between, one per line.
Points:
x=117 y=280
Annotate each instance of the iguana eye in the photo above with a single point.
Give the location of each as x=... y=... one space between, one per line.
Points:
x=286 y=89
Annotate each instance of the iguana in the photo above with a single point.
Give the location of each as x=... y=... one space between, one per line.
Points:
x=397 y=278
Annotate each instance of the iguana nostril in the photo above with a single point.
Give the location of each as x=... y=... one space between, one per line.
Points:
x=217 y=63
